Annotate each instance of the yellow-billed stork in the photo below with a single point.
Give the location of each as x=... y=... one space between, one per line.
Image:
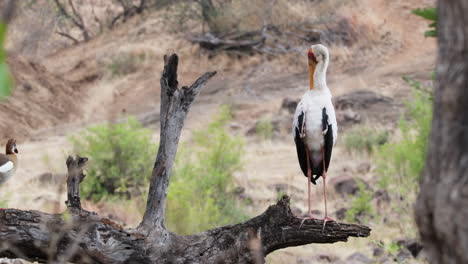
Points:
x=314 y=126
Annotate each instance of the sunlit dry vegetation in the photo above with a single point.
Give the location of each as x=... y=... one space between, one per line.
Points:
x=232 y=162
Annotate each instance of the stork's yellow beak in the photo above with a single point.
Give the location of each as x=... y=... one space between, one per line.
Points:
x=312 y=65
x=312 y=58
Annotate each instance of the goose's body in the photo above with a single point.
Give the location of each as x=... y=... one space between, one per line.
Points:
x=314 y=126
x=8 y=161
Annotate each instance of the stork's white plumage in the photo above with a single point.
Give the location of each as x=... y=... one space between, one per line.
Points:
x=314 y=126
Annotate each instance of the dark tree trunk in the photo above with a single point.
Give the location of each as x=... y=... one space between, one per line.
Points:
x=442 y=205
x=83 y=237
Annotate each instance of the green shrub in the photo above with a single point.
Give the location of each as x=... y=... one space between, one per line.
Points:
x=264 y=129
x=5 y=79
x=121 y=159
x=400 y=162
x=364 y=138
x=361 y=207
x=3 y=203
x=200 y=196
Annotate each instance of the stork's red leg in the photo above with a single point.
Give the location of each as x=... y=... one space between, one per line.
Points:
x=309 y=177
x=324 y=176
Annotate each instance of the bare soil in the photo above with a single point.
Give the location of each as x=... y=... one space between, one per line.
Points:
x=74 y=88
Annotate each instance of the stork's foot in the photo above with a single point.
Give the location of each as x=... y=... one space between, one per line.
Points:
x=306 y=218
x=325 y=220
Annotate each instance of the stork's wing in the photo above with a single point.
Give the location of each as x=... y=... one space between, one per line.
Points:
x=298 y=126
x=328 y=136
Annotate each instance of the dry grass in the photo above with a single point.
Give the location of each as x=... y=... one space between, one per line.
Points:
x=383 y=38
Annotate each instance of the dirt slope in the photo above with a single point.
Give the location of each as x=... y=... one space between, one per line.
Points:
x=40 y=99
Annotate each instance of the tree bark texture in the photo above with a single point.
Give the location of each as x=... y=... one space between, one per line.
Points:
x=80 y=236
x=441 y=209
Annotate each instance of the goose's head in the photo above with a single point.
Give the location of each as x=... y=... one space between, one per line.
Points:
x=11 y=147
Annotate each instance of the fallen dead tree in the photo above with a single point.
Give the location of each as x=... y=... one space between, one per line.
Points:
x=81 y=236
x=276 y=40
x=268 y=40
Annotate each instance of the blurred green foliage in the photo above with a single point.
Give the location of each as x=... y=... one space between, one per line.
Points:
x=401 y=161
x=200 y=195
x=5 y=78
x=430 y=14
x=264 y=129
x=361 y=207
x=364 y=138
x=121 y=159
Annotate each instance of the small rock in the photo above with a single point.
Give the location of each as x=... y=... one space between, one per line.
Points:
x=289 y=104
x=414 y=246
x=27 y=87
x=347 y=185
x=349 y=116
x=358 y=258
x=363 y=168
x=238 y=190
x=279 y=187
x=341 y=213
x=377 y=251
x=360 y=100
x=327 y=258
x=403 y=255
x=303 y=260
x=235 y=126
x=380 y=198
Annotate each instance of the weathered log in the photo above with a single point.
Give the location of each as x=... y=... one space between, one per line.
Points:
x=29 y=234
x=246 y=41
x=83 y=237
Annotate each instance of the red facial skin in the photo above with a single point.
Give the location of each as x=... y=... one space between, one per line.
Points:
x=311 y=56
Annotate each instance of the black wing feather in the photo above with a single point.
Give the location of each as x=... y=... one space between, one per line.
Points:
x=300 y=146
x=327 y=138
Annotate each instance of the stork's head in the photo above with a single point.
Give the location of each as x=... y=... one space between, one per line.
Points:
x=317 y=55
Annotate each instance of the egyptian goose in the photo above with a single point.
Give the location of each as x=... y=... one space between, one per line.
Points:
x=8 y=161
x=314 y=126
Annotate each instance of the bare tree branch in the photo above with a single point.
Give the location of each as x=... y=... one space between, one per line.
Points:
x=75 y=177
x=75 y=41
x=76 y=19
x=175 y=104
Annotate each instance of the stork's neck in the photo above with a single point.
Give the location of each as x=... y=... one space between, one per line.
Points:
x=320 y=75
